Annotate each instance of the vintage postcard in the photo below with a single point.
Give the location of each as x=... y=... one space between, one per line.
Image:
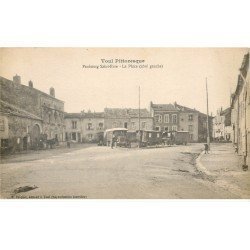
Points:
x=126 y=123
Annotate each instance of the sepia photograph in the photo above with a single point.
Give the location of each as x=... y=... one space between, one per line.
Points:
x=124 y=123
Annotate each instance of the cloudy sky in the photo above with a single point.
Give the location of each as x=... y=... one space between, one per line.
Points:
x=181 y=78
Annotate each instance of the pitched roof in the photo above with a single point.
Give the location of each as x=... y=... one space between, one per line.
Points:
x=185 y=109
x=227 y=114
x=125 y=113
x=167 y=107
x=93 y=115
x=172 y=107
x=244 y=70
x=72 y=115
x=10 y=109
x=245 y=65
x=84 y=115
x=225 y=111
x=4 y=81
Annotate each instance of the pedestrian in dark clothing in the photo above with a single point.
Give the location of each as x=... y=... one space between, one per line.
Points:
x=113 y=139
x=235 y=148
x=206 y=148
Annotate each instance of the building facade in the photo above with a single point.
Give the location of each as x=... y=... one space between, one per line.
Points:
x=92 y=126
x=222 y=128
x=89 y=126
x=188 y=121
x=127 y=118
x=73 y=127
x=26 y=109
x=19 y=129
x=240 y=112
x=175 y=117
x=84 y=127
x=166 y=117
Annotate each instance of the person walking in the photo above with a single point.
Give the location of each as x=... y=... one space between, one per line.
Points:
x=206 y=148
x=112 y=140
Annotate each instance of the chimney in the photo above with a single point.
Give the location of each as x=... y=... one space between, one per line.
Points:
x=30 y=84
x=52 y=91
x=17 y=79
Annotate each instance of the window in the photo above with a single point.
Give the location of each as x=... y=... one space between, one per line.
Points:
x=100 y=126
x=174 y=118
x=157 y=128
x=132 y=125
x=143 y=125
x=204 y=125
x=149 y=135
x=125 y=125
x=190 y=117
x=174 y=128
x=2 y=127
x=89 y=126
x=73 y=136
x=90 y=136
x=166 y=128
x=190 y=128
x=4 y=143
x=74 y=124
x=158 y=118
x=166 y=118
x=158 y=135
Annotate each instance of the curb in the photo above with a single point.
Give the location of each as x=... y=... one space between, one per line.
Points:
x=200 y=166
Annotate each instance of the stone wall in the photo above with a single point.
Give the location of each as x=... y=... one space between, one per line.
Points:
x=21 y=96
x=49 y=109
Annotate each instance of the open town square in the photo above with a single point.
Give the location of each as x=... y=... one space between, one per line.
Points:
x=145 y=141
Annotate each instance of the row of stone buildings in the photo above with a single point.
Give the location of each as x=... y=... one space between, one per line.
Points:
x=28 y=116
x=240 y=112
x=233 y=123
x=86 y=126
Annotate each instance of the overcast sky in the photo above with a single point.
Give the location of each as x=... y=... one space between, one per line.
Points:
x=182 y=78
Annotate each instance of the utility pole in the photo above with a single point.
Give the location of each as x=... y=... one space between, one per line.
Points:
x=139 y=118
x=208 y=136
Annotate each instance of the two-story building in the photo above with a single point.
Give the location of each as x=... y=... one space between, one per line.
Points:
x=222 y=125
x=127 y=118
x=73 y=127
x=84 y=126
x=175 y=117
x=188 y=121
x=28 y=113
x=166 y=117
x=92 y=125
